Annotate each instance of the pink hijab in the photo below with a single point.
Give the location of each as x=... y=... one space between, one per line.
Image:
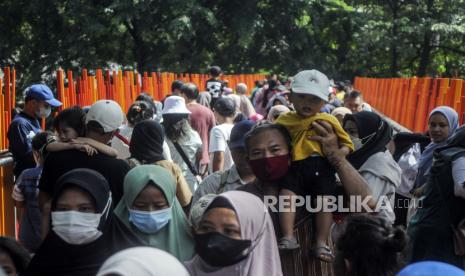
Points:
x=256 y=225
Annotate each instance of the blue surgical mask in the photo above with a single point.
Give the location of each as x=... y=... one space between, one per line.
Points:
x=150 y=222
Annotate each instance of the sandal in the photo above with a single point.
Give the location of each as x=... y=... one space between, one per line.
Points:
x=286 y=243
x=323 y=253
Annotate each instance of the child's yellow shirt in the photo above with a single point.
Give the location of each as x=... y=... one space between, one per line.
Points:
x=300 y=128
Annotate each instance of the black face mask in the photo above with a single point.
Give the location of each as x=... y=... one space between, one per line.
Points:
x=220 y=251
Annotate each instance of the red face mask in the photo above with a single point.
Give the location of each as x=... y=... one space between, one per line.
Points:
x=270 y=168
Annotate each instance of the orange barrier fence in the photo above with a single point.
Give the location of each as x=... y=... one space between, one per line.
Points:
x=409 y=101
x=123 y=87
x=7 y=102
x=85 y=89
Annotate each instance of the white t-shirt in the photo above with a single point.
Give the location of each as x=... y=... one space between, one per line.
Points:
x=409 y=162
x=219 y=138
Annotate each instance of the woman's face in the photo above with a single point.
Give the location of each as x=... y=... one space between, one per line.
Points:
x=438 y=128
x=267 y=143
x=75 y=199
x=7 y=264
x=221 y=220
x=150 y=199
x=351 y=128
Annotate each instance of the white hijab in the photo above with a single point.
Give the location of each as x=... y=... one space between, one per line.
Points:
x=143 y=261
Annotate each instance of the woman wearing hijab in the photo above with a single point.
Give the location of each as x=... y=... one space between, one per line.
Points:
x=142 y=261
x=150 y=210
x=244 y=104
x=340 y=113
x=146 y=147
x=205 y=99
x=432 y=228
x=370 y=135
x=235 y=237
x=82 y=234
x=275 y=111
x=442 y=123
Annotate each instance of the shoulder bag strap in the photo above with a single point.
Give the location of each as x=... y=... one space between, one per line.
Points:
x=186 y=160
x=223 y=180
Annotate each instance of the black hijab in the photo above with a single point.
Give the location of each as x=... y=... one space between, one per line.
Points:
x=57 y=257
x=404 y=141
x=147 y=142
x=374 y=132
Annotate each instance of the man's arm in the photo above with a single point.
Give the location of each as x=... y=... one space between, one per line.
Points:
x=218 y=161
x=217 y=148
x=351 y=179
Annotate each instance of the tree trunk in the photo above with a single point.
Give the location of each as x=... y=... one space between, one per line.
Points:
x=425 y=56
x=139 y=45
x=394 y=39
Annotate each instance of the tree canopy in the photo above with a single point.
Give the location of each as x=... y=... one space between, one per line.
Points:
x=390 y=38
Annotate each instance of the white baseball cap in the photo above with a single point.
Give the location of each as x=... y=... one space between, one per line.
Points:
x=311 y=82
x=175 y=105
x=107 y=113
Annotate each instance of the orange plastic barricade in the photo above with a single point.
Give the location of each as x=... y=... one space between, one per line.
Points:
x=409 y=101
x=124 y=87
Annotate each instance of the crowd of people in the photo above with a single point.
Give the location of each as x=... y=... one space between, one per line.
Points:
x=228 y=182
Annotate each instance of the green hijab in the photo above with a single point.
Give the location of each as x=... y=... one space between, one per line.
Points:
x=175 y=237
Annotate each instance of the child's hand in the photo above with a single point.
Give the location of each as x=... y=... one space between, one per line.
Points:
x=85 y=148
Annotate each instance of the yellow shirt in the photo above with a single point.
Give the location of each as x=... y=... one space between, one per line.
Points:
x=300 y=128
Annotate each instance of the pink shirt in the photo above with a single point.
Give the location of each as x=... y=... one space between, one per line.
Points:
x=202 y=121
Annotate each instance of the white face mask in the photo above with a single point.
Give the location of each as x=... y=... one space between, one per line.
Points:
x=357 y=142
x=44 y=112
x=77 y=227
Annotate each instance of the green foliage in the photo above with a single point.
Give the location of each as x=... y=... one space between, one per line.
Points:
x=342 y=38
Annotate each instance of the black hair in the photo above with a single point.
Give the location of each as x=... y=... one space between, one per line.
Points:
x=265 y=126
x=17 y=253
x=41 y=140
x=225 y=106
x=176 y=125
x=177 y=84
x=259 y=83
x=371 y=245
x=239 y=118
x=139 y=111
x=353 y=95
x=272 y=84
x=94 y=126
x=190 y=90
x=73 y=117
x=215 y=71
x=148 y=99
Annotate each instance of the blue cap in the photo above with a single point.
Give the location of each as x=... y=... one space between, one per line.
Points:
x=42 y=92
x=237 y=139
x=430 y=268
